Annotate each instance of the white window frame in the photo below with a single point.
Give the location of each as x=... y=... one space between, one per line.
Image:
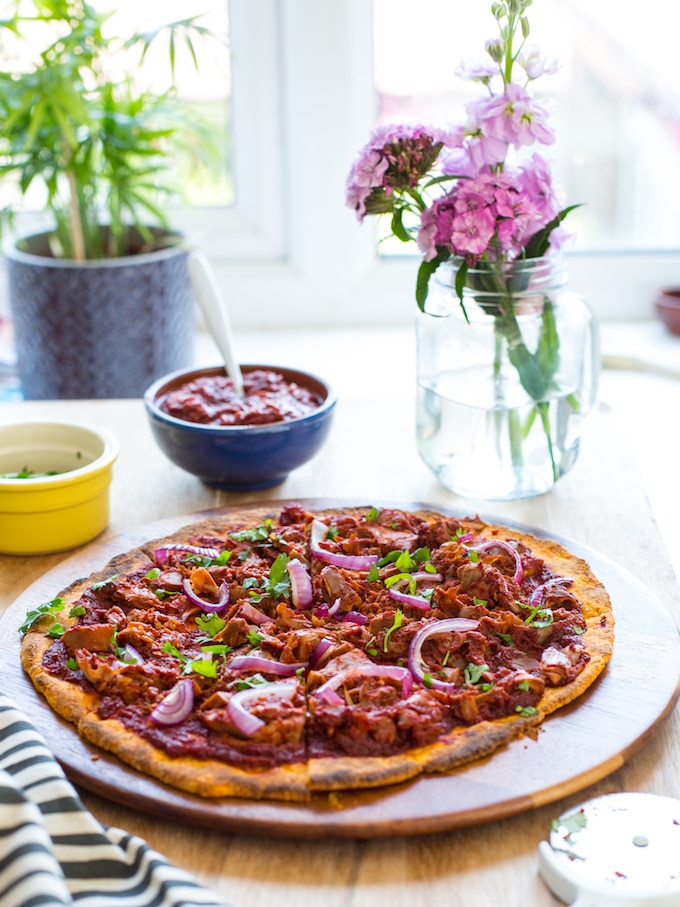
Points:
x=289 y=253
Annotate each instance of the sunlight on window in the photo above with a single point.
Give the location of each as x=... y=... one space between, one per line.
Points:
x=616 y=100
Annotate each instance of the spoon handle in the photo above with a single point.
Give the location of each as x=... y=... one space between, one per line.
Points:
x=214 y=308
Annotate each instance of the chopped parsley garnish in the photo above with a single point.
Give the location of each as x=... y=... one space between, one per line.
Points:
x=473 y=556
x=332 y=532
x=396 y=623
x=524 y=686
x=77 y=611
x=154 y=573
x=206 y=667
x=372 y=515
x=57 y=604
x=507 y=639
x=373 y=574
x=427 y=680
x=71 y=664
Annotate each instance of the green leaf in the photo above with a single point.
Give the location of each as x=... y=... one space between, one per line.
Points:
x=210 y=624
x=397 y=226
x=539 y=243
x=425 y=272
x=473 y=672
x=260 y=533
x=396 y=623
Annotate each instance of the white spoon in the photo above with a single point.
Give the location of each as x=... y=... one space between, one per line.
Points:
x=215 y=310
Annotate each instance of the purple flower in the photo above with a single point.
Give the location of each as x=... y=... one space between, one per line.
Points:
x=477 y=71
x=515 y=117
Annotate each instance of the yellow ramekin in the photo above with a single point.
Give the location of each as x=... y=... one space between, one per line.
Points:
x=45 y=514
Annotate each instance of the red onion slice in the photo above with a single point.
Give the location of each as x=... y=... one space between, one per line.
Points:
x=413 y=600
x=222 y=599
x=268 y=665
x=355 y=617
x=415 y=660
x=252 y=615
x=161 y=554
x=176 y=706
x=131 y=655
x=485 y=547
x=319 y=652
x=327 y=693
x=300 y=584
x=538 y=594
x=240 y=703
x=359 y=562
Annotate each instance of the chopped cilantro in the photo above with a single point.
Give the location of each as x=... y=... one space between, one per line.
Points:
x=50 y=607
x=154 y=573
x=427 y=680
x=247 y=683
x=539 y=617
x=524 y=686
x=372 y=515
x=472 y=554
x=507 y=639
x=162 y=594
x=332 y=532
x=255 y=638
x=105 y=582
x=259 y=534
x=200 y=560
x=578 y=630
x=56 y=631
x=72 y=664
x=473 y=672
x=372 y=652
x=77 y=611
x=251 y=582
x=526 y=710
x=373 y=574
x=206 y=667
x=173 y=650
x=216 y=649
x=211 y=624
x=400 y=577
x=396 y=623
x=480 y=601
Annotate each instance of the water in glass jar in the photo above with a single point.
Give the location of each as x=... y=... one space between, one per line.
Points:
x=488 y=441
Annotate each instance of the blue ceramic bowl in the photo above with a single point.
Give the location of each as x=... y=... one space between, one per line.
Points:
x=240 y=457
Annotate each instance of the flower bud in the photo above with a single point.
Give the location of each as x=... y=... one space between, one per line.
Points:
x=525 y=26
x=495 y=47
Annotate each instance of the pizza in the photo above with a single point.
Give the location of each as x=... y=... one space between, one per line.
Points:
x=275 y=651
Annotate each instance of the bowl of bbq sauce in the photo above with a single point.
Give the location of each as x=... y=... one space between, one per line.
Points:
x=240 y=442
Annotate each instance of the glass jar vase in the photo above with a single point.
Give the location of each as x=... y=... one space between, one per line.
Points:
x=507 y=373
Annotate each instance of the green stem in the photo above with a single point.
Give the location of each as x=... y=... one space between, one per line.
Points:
x=545 y=420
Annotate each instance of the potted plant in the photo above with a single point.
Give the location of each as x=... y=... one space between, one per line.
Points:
x=101 y=303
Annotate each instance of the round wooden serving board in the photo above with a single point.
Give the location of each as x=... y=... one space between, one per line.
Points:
x=576 y=747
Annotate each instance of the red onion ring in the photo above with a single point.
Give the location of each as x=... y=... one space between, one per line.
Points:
x=219 y=605
x=176 y=706
x=300 y=584
x=161 y=554
x=327 y=693
x=485 y=547
x=415 y=661
x=413 y=600
x=359 y=562
x=268 y=665
x=538 y=594
x=238 y=705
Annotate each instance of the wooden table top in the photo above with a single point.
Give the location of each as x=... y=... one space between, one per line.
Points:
x=601 y=504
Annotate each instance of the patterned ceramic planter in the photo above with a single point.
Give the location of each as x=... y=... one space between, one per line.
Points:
x=105 y=328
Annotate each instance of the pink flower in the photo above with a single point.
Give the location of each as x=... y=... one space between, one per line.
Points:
x=477 y=71
x=534 y=65
x=515 y=117
x=472 y=232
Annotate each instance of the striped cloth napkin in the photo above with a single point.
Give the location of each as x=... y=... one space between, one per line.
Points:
x=54 y=852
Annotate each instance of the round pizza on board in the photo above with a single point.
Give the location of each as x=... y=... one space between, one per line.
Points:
x=276 y=651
